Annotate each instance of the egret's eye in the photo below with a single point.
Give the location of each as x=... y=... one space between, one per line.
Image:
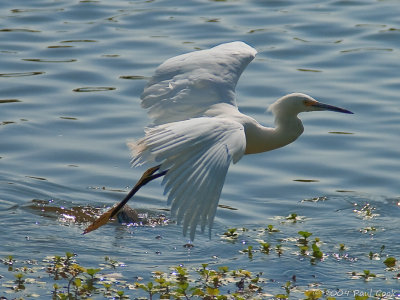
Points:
x=308 y=102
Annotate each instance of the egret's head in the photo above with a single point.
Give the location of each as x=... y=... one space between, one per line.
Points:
x=297 y=102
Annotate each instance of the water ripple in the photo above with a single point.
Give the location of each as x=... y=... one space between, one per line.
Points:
x=94 y=89
x=18 y=30
x=9 y=101
x=21 y=74
x=49 y=60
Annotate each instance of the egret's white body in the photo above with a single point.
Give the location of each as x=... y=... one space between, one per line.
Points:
x=197 y=129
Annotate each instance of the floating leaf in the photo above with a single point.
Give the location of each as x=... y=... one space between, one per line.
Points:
x=305 y=234
x=92 y=272
x=390 y=262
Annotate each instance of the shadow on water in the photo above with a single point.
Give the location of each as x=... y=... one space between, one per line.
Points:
x=84 y=215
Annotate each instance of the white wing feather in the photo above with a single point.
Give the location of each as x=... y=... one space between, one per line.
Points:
x=197 y=154
x=186 y=85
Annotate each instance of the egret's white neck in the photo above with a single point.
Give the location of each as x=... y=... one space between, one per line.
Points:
x=261 y=139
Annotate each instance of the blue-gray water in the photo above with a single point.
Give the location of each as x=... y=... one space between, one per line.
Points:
x=70 y=78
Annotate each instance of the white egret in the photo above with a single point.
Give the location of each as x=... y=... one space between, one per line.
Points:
x=198 y=130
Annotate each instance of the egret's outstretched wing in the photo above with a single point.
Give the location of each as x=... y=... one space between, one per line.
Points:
x=186 y=85
x=197 y=154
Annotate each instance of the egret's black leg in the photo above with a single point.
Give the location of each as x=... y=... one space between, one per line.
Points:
x=146 y=178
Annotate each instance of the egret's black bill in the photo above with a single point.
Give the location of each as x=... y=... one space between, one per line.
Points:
x=324 y=106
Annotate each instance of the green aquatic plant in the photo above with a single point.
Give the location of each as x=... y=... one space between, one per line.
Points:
x=249 y=251
x=278 y=249
x=390 y=262
x=304 y=247
x=317 y=253
x=270 y=229
x=342 y=247
x=292 y=217
x=265 y=247
x=304 y=236
x=19 y=281
x=148 y=288
x=69 y=279
x=281 y=296
x=376 y=256
x=231 y=233
x=288 y=287
x=367 y=274
x=111 y=262
x=178 y=284
x=303 y=250
x=313 y=294
x=81 y=282
x=9 y=262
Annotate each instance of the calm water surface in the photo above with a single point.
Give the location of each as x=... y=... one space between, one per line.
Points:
x=70 y=78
